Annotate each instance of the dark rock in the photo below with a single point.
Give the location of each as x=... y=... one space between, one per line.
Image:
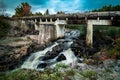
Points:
x=80 y=48
x=80 y=60
x=50 y=55
x=13 y=57
x=34 y=47
x=54 y=53
x=101 y=39
x=118 y=63
x=61 y=57
x=109 y=63
x=58 y=48
x=74 y=45
x=42 y=65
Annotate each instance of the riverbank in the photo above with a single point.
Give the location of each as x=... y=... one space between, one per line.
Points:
x=109 y=70
x=93 y=63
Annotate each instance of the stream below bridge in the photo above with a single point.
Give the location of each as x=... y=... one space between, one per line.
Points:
x=59 y=52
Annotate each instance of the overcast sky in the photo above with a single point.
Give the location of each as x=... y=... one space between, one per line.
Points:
x=68 y=6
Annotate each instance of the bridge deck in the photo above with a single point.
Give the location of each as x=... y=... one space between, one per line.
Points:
x=88 y=15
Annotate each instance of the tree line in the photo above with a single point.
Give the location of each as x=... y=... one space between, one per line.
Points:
x=108 y=8
x=24 y=9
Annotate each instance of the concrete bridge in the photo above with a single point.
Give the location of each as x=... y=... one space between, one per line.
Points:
x=90 y=19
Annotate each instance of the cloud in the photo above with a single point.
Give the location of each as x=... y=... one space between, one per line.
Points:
x=68 y=6
x=59 y=5
x=65 y=5
x=10 y=13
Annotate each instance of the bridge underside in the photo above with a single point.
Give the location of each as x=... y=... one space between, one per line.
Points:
x=90 y=24
x=89 y=19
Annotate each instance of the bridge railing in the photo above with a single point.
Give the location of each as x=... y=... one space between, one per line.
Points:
x=75 y=15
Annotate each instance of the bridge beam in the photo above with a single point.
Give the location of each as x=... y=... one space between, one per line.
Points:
x=90 y=24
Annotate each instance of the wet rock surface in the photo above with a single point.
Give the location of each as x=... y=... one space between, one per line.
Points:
x=54 y=53
x=35 y=47
x=61 y=57
x=42 y=65
x=50 y=55
x=80 y=48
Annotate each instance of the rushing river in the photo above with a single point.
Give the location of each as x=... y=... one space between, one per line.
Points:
x=58 y=52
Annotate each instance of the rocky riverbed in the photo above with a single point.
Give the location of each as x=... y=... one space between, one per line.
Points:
x=89 y=60
x=108 y=70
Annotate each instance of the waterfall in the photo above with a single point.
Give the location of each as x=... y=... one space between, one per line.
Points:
x=58 y=52
x=34 y=59
x=70 y=57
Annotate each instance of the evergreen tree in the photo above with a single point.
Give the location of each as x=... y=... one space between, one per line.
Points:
x=38 y=14
x=108 y=8
x=46 y=12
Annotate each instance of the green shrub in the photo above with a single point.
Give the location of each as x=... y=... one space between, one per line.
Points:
x=117 y=45
x=111 y=31
x=116 y=49
x=61 y=66
x=88 y=74
x=113 y=52
x=16 y=75
x=3 y=28
x=70 y=72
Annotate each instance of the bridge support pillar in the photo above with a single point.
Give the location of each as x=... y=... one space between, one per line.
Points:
x=90 y=24
x=51 y=20
x=36 y=25
x=60 y=28
x=89 y=36
x=40 y=20
x=35 y=20
x=23 y=25
x=46 y=20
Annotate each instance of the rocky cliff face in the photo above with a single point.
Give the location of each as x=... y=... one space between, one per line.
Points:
x=12 y=57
